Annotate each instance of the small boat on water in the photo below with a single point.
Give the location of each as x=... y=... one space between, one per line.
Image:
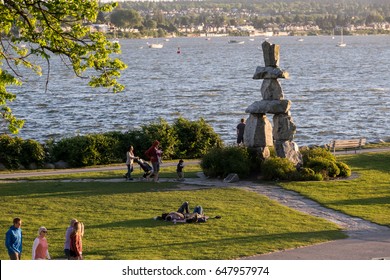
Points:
x=236 y=42
x=155 y=46
x=341 y=44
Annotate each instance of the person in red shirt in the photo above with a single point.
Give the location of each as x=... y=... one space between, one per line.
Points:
x=76 y=244
x=154 y=154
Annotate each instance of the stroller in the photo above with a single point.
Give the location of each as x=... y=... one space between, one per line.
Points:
x=145 y=167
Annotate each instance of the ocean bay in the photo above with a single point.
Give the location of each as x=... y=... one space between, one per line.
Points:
x=335 y=92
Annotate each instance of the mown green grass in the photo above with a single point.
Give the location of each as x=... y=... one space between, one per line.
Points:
x=119 y=220
x=166 y=172
x=366 y=196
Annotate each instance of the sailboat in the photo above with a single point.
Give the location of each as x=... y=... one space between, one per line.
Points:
x=341 y=43
x=155 y=46
x=115 y=39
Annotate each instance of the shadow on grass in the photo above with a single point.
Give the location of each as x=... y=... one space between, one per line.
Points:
x=371 y=161
x=139 y=223
x=68 y=189
x=363 y=201
x=255 y=241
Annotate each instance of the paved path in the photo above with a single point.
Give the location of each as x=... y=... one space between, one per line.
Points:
x=366 y=240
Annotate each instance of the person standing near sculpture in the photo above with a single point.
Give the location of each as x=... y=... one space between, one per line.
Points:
x=240 y=132
x=154 y=154
x=40 y=250
x=13 y=240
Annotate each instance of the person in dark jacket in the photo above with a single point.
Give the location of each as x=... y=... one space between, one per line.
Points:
x=240 y=132
x=154 y=154
x=179 y=170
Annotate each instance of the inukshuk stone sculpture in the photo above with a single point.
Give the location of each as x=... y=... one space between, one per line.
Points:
x=259 y=133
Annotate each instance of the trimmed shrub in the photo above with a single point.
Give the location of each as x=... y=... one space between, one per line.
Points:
x=195 y=138
x=10 y=150
x=162 y=132
x=86 y=150
x=323 y=162
x=327 y=168
x=219 y=162
x=307 y=174
x=211 y=163
x=345 y=171
x=309 y=154
x=32 y=152
x=277 y=169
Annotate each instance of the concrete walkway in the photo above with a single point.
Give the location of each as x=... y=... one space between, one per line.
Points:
x=366 y=240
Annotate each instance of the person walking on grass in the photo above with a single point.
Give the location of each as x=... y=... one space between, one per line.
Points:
x=154 y=154
x=13 y=240
x=76 y=243
x=179 y=170
x=40 y=250
x=68 y=232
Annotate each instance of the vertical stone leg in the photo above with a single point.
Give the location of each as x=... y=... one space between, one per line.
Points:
x=262 y=153
x=283 y=132
x=258 y=131
x=289 y=150
x=284 y=127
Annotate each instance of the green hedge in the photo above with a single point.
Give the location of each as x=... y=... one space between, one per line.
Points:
x=16 y=153
x=219 y=162
x=182 y=139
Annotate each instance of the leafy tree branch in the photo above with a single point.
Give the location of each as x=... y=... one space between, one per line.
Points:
x=43 y=28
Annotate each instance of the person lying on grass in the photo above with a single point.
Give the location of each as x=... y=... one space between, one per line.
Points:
x=182 y=215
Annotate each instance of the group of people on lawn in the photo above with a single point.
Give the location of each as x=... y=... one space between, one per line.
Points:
x=154 y=154
x=73 y=247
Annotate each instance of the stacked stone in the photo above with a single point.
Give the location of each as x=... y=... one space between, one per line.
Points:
x=259 y=133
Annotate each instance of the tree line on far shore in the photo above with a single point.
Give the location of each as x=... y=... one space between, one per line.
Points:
x=161 y=18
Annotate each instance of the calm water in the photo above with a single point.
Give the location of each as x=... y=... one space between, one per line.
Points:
x=335 y=92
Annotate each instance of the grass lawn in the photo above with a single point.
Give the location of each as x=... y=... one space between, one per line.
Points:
x=119 y=220
x=367 y=196
x=166 y=172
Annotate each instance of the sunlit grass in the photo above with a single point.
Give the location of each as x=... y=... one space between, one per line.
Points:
x=119 y=220
x=119 y=215
x=366 y=196
x=190 y=171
